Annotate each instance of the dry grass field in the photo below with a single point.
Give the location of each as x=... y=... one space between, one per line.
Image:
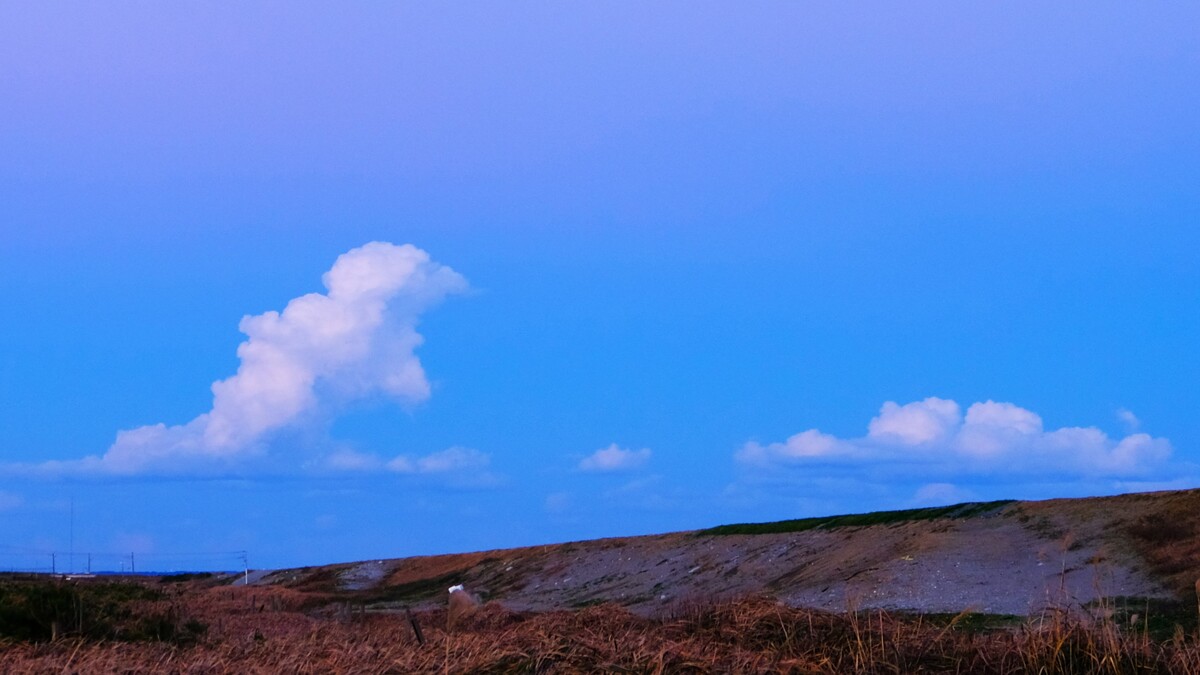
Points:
x=205 y=628
x=1064 y=586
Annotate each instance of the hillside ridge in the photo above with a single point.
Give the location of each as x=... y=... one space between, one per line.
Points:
x=1004 y=557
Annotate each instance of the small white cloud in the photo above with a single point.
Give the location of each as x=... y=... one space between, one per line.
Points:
x=455 y=459
x=806 y=444
x=466 y=463
x=614 y=459
x=1131 y=421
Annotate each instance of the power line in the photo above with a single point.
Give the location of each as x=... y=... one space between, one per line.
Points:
x=20 y=558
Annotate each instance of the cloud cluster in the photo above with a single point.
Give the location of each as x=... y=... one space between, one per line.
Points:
x=934 y=436
x=357 y=340
x=614 y=459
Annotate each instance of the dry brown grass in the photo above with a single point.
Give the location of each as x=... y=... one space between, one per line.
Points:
x=273 y=630
x=1160 y=528
x=1169 y=541
x=420 y=568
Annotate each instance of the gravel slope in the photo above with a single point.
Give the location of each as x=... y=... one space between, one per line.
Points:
x=1018 y=559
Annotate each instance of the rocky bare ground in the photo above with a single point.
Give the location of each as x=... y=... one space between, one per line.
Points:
x=1010 y=558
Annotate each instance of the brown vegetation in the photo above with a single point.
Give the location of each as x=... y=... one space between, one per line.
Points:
x=1110 y=583
x=1161 y=531
x=1169 y=541
x=271 y=630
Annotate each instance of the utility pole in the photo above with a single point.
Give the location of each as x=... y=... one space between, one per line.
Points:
x=246 y=568
x=89 y=563
x=71 y=550
x=53 y=565
x=132 y=567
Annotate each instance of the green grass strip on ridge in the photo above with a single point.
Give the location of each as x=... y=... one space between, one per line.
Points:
x=956 y=511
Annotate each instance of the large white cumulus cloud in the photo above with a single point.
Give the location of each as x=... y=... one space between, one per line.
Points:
x=356 y=340
x=933 y=436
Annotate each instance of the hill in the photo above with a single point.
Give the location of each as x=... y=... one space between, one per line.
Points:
x=1006 y=557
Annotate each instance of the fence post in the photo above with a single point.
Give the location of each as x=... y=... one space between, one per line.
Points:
x=412 y=621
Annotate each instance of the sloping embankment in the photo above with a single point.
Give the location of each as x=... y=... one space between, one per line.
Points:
x=998 y=557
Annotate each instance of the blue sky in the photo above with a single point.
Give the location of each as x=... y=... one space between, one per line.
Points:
x=700 y=263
